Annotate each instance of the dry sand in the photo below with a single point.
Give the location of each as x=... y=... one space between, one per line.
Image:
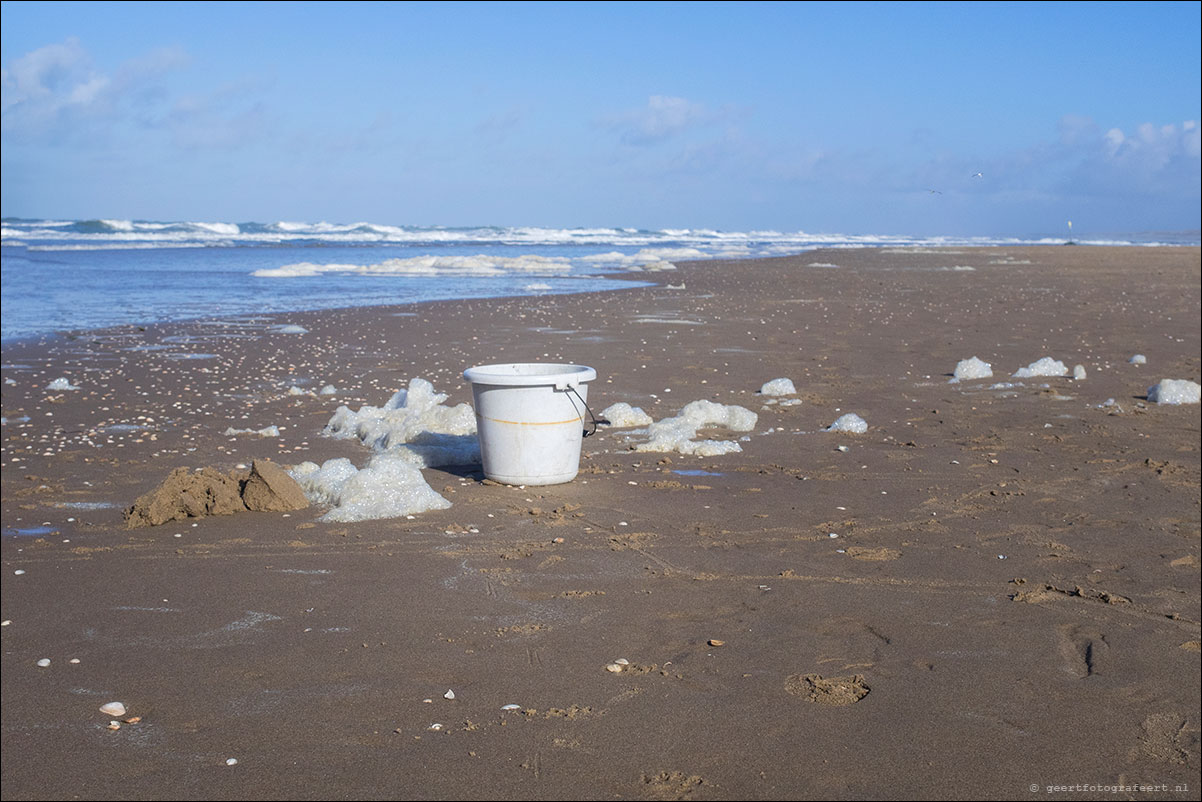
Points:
x=1012 y=601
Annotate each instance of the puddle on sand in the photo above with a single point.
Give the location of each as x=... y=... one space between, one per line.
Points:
x=32 y=531
x=697 y=472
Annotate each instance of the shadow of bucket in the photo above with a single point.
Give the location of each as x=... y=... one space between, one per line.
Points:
x=530 y=420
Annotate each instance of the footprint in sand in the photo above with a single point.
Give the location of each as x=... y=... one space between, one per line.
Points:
x=850 y=643
x=832 y=691
x=872 y=554
x=674 y=785
x=1166 y=738
x=1085 y=650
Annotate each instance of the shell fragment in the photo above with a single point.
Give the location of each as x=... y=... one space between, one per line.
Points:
x=113 y=709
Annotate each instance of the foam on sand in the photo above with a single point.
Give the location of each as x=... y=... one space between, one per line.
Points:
x=1044 y=367
x=389 y=486
x=850 y=423
x=416 y=415
x=778 y=387
x=623 y=416
x=676 y=434
x=1175 y=391
x=61 y=384
x=413 y=430
x=973 y=368
x=266 y=431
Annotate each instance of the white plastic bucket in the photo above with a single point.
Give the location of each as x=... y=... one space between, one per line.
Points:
x=530 y=420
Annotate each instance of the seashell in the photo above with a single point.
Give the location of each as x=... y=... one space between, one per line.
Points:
x=622 y=661
x=511 y=707
x=614 y=667
x=45 y=661
x=113 y=709
x=114 y=725
x=434 y=727
x=449 y=695
x=132 y=719
x=233 y=761
x=716 y=642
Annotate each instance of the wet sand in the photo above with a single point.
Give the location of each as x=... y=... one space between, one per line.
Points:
x=1011 y=602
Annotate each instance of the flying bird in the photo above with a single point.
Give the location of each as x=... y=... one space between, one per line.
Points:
x=934 y=192
x=977 y=175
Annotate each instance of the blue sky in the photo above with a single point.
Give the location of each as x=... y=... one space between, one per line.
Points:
x=818 y=117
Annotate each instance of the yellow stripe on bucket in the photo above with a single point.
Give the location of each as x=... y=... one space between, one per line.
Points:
x=577 y=419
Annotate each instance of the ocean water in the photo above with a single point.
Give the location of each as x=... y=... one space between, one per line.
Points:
x=71 y=275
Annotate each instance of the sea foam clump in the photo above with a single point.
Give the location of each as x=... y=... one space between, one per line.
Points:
x=623 y=416
x=778 y=387
x=676 y=434
x=61 y=384
x=266 y=431
x=1044 y=367
x=646 y=260
x=479 y=265
x=412 y=431
x=967 y=369
x=1138 y=359
x=389 y=486
x=416 y=421
x=850 y=423
x=1175 y=391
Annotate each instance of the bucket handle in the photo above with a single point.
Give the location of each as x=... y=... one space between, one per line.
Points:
x=596 y=421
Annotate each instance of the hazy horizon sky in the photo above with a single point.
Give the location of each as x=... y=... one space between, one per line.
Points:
x=823 y=117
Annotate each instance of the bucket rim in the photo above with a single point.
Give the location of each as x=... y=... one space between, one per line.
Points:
x=528 y=374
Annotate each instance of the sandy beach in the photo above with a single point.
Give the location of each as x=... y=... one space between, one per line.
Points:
x=993 y=592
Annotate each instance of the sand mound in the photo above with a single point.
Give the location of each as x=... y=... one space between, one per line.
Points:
x=833 y=691
x=188 y=494
x=269 y=488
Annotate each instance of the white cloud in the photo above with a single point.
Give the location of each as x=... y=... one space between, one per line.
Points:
x=1113 y=141
x=1153 y=160
x=55 y=94
x=1159 y=159
x=664 y=117
x=48 y=79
